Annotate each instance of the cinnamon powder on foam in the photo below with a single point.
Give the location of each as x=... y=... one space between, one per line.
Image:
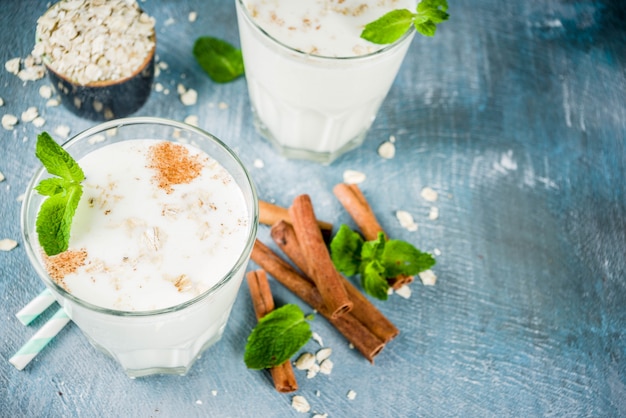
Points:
x=173 y=165
x=60 y=265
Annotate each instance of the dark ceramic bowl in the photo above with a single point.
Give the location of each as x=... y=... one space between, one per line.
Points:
x=106 y=100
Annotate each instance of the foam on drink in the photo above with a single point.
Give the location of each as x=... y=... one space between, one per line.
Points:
x=158 y=224
x=329 y=28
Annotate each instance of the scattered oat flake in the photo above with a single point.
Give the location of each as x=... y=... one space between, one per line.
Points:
x=406 y=220
x=20 y=198
x=300 y=404
x=198 y=402
x=437 y=251
x=1 y=177
x=323 y=354
x=189 y=97
x=387 y=150
x=353 y=177
x=192 y=16
x=404 y=291
x=351 y=395
x=192 y=120
x=96 y=139
x=214 y=392
x=45 y=91
x=434 y=213
x=62 y=130
x=7 y=244
x=222 y=105
x=428 y=278
x=158 y=87
x=320 y=416
x=318 y=339
x=52 y=102
x=312 y=371
x=429 y=194
x=326 y=366
x=259 y=163
x=38 y=122
x=305 y=361
x=9 y=121
x=30 y=114
x=13 y=65
x=1 y=101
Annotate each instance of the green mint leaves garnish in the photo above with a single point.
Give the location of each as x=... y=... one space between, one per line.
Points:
x=54 y=219
x=277 y=337
x=219 y=59
x=391 y=26
x=376 y=260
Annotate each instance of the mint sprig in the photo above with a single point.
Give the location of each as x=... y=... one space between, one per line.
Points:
x=219 y=59
x=277 y=337
x=54 y=220
x=391 y=26
x=376 y=260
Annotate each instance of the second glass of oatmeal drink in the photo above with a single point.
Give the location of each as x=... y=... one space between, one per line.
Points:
x=159 y=243
x=314 y=84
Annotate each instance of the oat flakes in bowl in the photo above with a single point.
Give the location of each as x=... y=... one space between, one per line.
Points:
x=99 y=55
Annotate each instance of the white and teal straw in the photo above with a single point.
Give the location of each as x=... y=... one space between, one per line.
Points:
x=35 y=307
x=40 y=339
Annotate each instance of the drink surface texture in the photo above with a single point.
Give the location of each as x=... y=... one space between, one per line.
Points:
x=158 y=224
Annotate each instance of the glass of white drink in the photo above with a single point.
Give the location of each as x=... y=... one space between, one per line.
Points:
x=314 y=84
x=158 y=245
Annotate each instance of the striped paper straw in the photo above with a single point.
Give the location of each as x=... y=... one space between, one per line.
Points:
x=35 y=307
x=40 y=339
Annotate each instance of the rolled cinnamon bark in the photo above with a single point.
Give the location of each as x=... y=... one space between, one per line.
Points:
x=360 y=336
x=269 y=214
x=354 y=202
x=327 y=279
x=263 y=302
x=363 y=310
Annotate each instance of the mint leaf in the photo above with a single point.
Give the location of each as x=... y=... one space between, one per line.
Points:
x=52 y=186
x=54 y=220
x=277 y=337
x=400 y=257
x=373 y=250
x=345 y=250
x=56 y=160
x=219 y=59
x=373 y=280
x=392 y=25
x=377 y=260
x=388 y=28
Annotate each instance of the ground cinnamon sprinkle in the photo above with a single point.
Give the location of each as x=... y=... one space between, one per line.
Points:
x=60 y=265
x=173 y=164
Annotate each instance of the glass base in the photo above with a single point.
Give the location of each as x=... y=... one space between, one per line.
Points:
x=303 y=154
x=180 y=360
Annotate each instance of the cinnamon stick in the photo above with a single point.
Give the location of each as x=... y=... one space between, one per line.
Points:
x=363 y=310
x=354 y=202
x=263 y=302
x=269 y=214
x=360 y=336
x=320 y=267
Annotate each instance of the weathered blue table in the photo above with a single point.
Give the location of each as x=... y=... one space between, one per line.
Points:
x=515 y=113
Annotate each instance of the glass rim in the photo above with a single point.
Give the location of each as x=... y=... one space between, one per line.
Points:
x=407 y=35
x=117 y=123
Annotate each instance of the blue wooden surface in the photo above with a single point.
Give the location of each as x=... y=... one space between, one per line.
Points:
x=515 y=113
